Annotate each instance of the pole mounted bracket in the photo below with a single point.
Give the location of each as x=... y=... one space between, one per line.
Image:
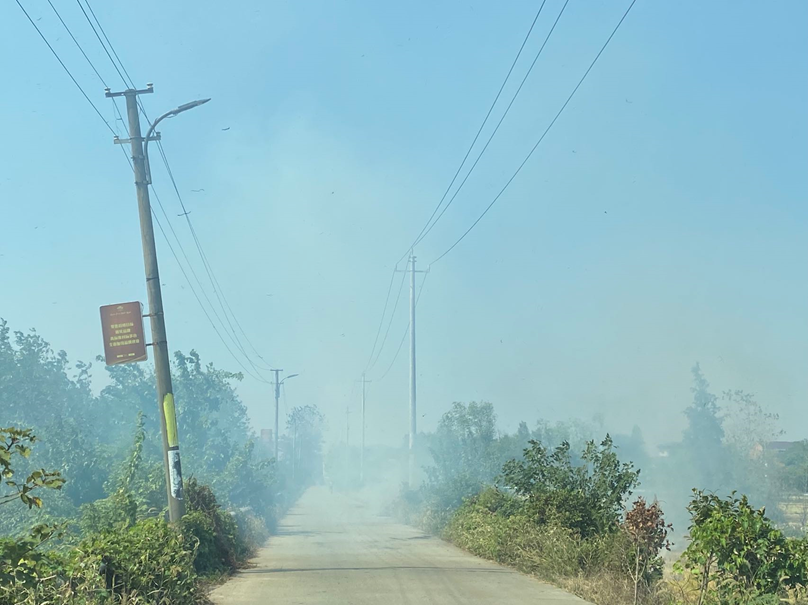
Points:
x=119 y=141
x=129 y=91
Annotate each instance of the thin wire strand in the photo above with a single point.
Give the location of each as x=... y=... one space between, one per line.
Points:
x=127 y=80
x=390 y=323
x=502 y=119
x=188 y=261
x=190 y=285
x=185 y=275
x=67 y=71
x=407 y=331
x=544 y=134
x=381 y=321
x=115 y=65
x=112 y=48
x=217 y=290
x=479 y=130
x=76 y=42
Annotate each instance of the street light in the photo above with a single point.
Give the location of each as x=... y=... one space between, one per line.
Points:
x=162 y=365
x=168 y=114
x=278 y=384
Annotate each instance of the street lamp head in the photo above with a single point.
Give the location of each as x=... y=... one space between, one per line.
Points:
x=191 y=105
x=291 y=376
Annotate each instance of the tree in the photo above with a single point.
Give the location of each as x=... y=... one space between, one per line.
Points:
x=648 y=532
x=587 y=498
x=748 y=430
x=703 y=438
x=303 y=451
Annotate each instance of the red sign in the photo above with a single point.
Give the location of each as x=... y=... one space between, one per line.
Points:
x=124 y=340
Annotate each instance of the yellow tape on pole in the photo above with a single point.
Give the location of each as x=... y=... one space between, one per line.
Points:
x=171 y=420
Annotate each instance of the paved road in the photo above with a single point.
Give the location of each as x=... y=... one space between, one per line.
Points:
x=332 y=549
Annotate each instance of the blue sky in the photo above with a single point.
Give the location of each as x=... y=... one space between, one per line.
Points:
x=661 y=222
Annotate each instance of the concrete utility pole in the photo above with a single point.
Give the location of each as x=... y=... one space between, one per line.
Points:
x=362 y=453
x=277 y=403
x=162 y=368
x=413 y=427
x=278 y=385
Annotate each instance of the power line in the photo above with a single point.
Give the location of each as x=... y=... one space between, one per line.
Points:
x=390 y=323
x=407 y=331
x=381 y=321
x=127 y=80
x=116 y=110
x=188 y=261
x=502 y=119
x=222 y=299
x=67 y=71
x=115 y=65
x=479 y=130
x=76 y=42
x=100 y=115
x=191 y=286
x=544 y=134
x=112 y=48
x=185 y=275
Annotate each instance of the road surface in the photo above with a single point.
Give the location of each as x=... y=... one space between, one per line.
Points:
x=332 y=549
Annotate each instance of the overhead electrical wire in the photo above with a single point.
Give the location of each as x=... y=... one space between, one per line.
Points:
x=227 y=310
x=190 y=285
x=217 y=290
x=404 y=337
x=390 y=323
x=67 y=71
x=381 y=321
x=541 y=138
x=100 y=115
x=76 y=42
x=104 y=46
x=185 y=275
x=479 y=130
x=496 y=128
x=116 y=110
x=429 y=224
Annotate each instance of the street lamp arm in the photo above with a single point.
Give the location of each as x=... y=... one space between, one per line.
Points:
x=168 y=114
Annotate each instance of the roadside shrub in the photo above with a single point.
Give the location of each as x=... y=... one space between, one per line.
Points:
x=486 y=526
x=214 y=528
x=24 y=568
x=736 y=549
x=150 y=562
x=587 y=498
x=646 y=529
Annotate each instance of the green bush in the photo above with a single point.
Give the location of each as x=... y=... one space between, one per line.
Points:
x=736 y=549
x=226 y=540
x=587 y=498
x=487 y=526
x=150 y=562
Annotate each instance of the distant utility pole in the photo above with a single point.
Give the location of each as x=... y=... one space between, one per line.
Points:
x=413 y=426
x=278 y=384
x=277 y=403
x=162 y=369
x=362 y=454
